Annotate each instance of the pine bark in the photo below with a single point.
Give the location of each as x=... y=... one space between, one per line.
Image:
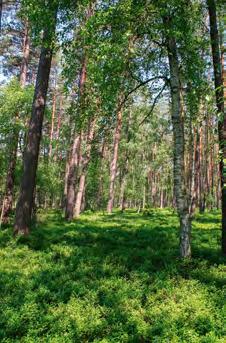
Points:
x=8 y=198
x=74 y=155
x=30 y=162
x=113 y=166
x=84 y=169
x=58 y=128
x=217 y=66
x=52 y=125
x=71 y=178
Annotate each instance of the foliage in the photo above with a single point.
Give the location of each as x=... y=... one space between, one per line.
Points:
x=112 y=279
x=15 y=105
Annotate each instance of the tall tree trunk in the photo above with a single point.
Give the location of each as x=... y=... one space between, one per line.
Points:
x=52 y=124
x=71 y=178
x=196 y=171
x=74 y=156
x=178 y=135
x=101 y=173
x=58 y=128
x=26 y=53
x=30 y=162
x=85 y=164
x=113 y=167
x=216 y=55
x=122 y=193
x=80 y=194
x=123 y=184
x=8 y=198
x=1 y=15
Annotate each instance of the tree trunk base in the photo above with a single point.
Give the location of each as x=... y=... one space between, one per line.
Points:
x=21 y=231
x=185 y=236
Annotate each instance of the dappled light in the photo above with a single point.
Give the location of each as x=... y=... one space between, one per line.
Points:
x=112 y=279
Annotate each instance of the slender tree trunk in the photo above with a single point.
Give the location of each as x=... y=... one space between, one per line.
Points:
x=71 y=178
x=123 y=185
x=79 y=195
x=30 y=162
x=144 y=195
x=161 y=198
x=85 y=164
x=113 y=167
x=58 y=128
x=1 y=15
x=196 y=172
x=8 y=198
x=216 y=54
x=122 y=194
x=26 y=53
x=101 y=178
x=52 y=124
x=201 y=175
x=178 y=135
x=74 y=156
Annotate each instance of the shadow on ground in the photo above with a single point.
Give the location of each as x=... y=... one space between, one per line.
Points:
x=112 y=278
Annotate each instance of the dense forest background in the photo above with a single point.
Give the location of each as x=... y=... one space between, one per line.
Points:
x=114 y=109
x=133 y=111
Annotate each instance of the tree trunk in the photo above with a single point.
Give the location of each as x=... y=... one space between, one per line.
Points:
x=74 y=156
x=216 y=55
x=8 y=198
x=58 y=128
x=178 y=136
x=85 y=164
x=30 y=162
x=196 y=172
x=1 y=15
x=71 y=178
x=113 y=167
x=79 y=195
x=26 y=52
x=52 y=124
x=101 y=178
x=122 y=193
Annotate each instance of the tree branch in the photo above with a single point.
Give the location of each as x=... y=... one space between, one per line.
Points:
x=138 y=86
x=154 y=103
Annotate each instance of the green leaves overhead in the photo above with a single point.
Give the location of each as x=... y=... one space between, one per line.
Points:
x=15 y=104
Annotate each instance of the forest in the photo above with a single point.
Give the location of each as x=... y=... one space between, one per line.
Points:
x=112 y=171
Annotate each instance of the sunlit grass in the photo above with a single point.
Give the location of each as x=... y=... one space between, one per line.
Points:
x=112 y=278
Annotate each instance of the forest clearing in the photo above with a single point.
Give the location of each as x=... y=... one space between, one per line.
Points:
x=112 y=171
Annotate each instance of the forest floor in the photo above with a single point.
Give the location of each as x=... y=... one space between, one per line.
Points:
x=112 y=278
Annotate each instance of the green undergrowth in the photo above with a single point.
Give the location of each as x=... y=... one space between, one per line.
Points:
x=112 y=278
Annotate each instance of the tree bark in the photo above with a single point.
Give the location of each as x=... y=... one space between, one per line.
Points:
x=216 y=56
x=58 y=128
x=74 y=156
x=8 y=198
x=71 y=178
x=52 y=124
x=26 y=53
x=1 y=15
x=178 y=136
x=30 y=162
x=85 y=164
x=113 y=167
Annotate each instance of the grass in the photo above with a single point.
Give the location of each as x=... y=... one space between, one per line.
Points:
x=112 y=279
